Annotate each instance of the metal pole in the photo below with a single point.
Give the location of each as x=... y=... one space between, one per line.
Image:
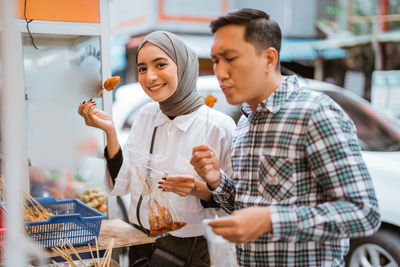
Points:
x=13 y=136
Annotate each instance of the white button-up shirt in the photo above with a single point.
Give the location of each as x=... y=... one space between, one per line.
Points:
x=175 y=140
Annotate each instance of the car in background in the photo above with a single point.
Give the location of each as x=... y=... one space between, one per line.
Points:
x=379 y=138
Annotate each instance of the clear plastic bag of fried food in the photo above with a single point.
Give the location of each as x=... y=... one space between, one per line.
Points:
x=161 y=215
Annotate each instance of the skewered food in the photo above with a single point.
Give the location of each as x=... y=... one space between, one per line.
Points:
x=109 y=85
x=160 y=217
x=35 y=212
x=210 y=100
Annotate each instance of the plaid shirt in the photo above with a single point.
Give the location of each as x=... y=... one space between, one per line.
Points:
x=298 y=154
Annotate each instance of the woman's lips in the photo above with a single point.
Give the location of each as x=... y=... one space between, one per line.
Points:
x=155 y=87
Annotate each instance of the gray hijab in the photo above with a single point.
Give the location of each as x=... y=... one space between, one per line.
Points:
x=186 y=99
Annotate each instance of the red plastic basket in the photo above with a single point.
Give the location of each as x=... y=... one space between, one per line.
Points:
x=2 y=241
x=2 y=232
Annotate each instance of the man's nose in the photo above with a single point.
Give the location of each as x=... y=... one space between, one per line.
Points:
x=221 y=71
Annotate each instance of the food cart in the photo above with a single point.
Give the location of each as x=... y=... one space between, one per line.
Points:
x=55 y=54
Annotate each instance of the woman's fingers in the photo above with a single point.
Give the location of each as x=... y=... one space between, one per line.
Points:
x=182 y=186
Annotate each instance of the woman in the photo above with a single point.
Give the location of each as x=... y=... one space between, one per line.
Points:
x=167 y=72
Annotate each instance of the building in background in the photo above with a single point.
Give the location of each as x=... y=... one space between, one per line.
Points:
x=132 y=20
x=338 y=41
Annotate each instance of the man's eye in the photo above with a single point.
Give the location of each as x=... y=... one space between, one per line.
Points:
x=231 y=59
x=141 y=69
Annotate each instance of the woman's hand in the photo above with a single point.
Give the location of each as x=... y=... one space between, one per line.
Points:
x=99 y=119
x=184 y=186
x=94 y=117
x=181 y=185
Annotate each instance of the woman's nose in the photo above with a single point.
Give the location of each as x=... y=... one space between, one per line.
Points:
x=151 y=76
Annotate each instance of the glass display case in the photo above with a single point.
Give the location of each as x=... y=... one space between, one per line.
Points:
x=65 y=156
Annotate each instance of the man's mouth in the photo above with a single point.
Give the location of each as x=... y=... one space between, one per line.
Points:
x=225 y=88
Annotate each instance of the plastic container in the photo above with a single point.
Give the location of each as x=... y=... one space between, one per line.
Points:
x=72 y=220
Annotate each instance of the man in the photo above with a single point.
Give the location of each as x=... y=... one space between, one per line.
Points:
x=300 y=188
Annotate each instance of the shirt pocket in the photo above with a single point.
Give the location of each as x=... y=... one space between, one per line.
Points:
x=276 y=179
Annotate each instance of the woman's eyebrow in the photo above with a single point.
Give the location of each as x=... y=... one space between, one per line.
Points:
x=153 y=61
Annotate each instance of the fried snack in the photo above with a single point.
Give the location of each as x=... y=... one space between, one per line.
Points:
x=210 y=100
x=111 y=83
x=94 y=198
x=160 y=217
x=163 y=221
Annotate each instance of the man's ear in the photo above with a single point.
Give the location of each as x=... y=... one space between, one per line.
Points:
x=271 y=58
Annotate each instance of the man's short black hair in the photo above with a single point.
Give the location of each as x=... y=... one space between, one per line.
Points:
x=260 y=30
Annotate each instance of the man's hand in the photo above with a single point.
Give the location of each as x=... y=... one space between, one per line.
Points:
x=206 y=163
x=243 y=225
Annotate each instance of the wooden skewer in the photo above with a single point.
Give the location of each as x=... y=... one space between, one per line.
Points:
x=56 y=263
x=107 y=256
x=149 y=182
x=33 y=205
x=91 y=253
x=97 y=248
x=67 y=254
x=64 y=255
x=143 y=181
x=75 y=252
x=40 y=209
x=98 y=92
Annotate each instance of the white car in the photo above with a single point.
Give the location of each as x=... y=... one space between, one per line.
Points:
x=379 y=137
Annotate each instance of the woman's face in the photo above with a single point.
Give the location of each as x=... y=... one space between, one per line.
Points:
x=158 y=73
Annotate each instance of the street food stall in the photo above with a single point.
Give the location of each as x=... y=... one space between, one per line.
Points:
x=55 y=55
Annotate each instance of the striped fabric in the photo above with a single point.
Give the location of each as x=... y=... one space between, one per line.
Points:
x=298 y=154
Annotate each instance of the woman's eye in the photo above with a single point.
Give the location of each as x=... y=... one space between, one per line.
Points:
x=230 y=59
x=160 y=65
x=141 y=69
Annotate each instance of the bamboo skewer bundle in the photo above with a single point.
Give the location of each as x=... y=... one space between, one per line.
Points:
x=35 y=212
x=64 y=253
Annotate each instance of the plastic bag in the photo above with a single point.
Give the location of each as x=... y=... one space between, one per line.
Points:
x=222 y=252
x=162 y=215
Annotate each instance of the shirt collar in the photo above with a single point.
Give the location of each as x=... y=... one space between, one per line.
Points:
x=276 y=100
x=181 y=122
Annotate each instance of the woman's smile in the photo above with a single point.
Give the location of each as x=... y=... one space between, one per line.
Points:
x=155 y=87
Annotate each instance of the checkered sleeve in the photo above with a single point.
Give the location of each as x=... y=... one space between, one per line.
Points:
x=349 y=207
x=224 y=194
